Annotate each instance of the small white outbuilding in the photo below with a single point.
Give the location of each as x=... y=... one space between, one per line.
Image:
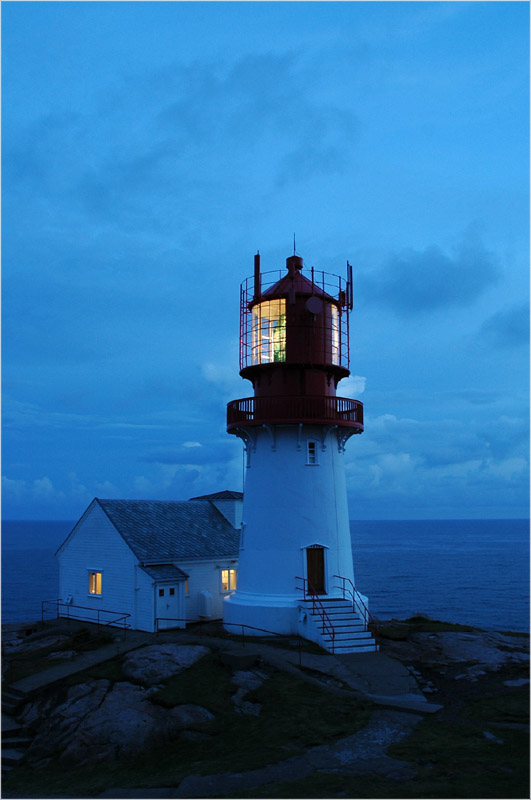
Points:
x=162 y=563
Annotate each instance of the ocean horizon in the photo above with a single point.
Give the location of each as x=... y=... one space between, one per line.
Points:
x=474 y=572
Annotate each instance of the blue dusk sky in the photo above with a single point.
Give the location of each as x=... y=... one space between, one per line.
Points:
x=150 y=149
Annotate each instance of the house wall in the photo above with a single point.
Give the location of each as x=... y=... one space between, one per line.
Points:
x=231 y=510
x=205 y=575
x=96 y=545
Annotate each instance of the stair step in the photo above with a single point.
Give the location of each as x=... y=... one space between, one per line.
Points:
x=362 y=637
x=11 y=757
x=12 y=691
x=16 y=742
x=10 y=707
x=10 y=726
x=340 y=636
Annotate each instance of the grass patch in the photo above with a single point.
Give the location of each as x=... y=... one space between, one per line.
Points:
x=453 y=761
x=422 y=624
x=511 y=705
x=34 y=661
x=111 y=670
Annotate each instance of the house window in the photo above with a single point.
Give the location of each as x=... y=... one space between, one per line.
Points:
x=311 y=453
x=161 y=592
x=228 y=580
x=172 y=591
x=186 y=587
x=94 y=582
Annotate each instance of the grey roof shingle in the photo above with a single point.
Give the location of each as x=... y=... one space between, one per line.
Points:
x=165 y=572
x=168 y=531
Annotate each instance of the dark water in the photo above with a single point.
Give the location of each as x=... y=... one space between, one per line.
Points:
x=472 y=571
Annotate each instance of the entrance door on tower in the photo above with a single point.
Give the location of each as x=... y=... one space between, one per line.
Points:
x=315 y=569
x=168 y=606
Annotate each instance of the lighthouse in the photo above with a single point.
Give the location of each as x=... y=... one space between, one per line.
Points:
x=295 y=572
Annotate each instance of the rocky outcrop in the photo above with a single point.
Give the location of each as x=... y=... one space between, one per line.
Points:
x=98 y=723
x=155 y=664
x=247 y=681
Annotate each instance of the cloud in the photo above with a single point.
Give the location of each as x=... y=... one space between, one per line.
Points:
x=413 y=283
x=352 y=386
x=508 y=327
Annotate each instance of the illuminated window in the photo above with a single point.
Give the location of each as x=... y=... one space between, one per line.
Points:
x=269 y=331
x=312 y=453
x=186 y=587
x=335 y=334
x=228 y=580
x=94 y=582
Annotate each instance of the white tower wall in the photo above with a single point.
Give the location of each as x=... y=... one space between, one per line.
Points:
x=289 y=505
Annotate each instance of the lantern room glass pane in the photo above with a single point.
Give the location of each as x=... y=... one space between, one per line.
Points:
x=268 y=328
x=335 y=333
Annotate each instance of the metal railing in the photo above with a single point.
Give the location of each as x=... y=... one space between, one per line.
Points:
x=242 y=626
x=310 y=593
x=319 y=409
x=358 y=605
x=118 y=618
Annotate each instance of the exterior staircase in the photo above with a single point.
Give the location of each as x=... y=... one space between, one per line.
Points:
x=341 y=631
x=15 y=737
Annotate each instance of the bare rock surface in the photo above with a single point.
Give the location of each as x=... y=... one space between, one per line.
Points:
x=99 y=723
x=247 y=681
x=154 y=664
x=27 y=645
x=489 y=650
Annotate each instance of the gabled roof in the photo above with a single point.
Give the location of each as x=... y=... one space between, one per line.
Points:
x=225 y=495
x=160 y=531
x=165 y=572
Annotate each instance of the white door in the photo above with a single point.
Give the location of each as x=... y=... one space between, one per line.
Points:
x=168 y=609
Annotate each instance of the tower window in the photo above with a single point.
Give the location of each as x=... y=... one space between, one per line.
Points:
x=311 y=453
x=228 y=580
x=94 y=582
x=269 y=331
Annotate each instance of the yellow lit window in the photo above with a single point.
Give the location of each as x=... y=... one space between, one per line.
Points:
x=186 y=587
x=228 y=580
x=94 y=582
x=269 y=331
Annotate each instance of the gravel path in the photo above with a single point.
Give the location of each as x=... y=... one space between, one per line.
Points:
x=361 y=753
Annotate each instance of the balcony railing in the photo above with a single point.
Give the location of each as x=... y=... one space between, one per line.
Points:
x=292 y=409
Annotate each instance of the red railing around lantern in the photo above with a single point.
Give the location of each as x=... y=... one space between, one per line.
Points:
x=292 y=409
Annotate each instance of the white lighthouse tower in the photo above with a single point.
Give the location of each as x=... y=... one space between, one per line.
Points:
x=295 y=570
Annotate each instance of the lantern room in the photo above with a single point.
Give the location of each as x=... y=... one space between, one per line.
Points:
x=294 y=319
x=294 y=347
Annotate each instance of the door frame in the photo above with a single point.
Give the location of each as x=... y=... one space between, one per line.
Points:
x=322 y=548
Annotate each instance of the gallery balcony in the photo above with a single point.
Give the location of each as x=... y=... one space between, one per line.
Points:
x=294 y=409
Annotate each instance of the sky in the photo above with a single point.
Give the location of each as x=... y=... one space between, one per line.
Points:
x=150 y=149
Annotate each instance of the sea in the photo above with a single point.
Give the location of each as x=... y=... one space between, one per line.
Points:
x=474 y=572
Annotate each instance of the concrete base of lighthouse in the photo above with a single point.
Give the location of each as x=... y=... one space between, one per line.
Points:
x=260 y=615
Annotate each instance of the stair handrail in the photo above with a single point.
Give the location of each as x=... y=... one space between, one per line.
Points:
x=358 y=603
x=317 y=607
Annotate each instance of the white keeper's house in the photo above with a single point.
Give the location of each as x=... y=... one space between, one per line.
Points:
x=162 y=563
